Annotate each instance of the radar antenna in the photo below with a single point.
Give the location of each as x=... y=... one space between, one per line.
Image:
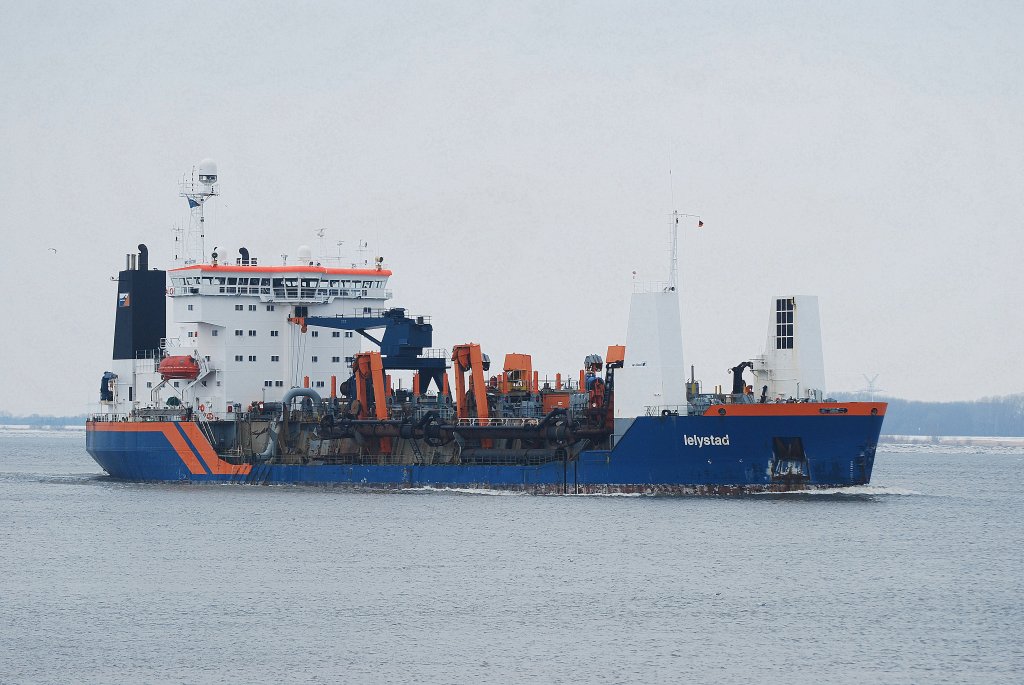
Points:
x=320 y=233
x=197 y=188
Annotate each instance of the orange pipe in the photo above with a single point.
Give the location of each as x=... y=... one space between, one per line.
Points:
x=476 y=370
x=334 y=387
x=536 y=381
x=558 y=381
x=359 y=368
x=379 y=391
x=305 y=382
x=461 y=410
x=447 y=390
x=416 y=384
x=583 y=380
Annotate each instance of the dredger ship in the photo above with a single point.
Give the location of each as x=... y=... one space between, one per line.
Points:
x=265 y=380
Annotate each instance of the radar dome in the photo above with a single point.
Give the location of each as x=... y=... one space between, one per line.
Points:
x=305 y=253
x=208 y=172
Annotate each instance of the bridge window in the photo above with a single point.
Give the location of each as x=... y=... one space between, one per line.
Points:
x=273 y=334
x=275 y=358
x=784 y=324
x=335 y=334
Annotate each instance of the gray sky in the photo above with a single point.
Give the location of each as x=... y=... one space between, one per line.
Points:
x=510 y=162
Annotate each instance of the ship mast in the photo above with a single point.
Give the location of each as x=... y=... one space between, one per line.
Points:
x=673 y=228
x=197 y=188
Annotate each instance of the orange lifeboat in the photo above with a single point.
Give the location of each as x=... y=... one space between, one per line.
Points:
x=183 y=366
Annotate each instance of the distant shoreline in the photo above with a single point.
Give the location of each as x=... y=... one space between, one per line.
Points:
x=68 y=428
x=954 y=440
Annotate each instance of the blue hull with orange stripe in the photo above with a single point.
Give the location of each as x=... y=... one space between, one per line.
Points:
x=748 y=448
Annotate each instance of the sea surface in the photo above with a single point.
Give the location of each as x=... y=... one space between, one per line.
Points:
x=917 y=578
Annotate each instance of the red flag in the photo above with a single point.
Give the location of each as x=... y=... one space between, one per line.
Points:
x=700 y=224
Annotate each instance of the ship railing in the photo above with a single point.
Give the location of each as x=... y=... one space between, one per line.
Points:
x=517 y=421
x=379 y=313
x=114 y=417
x=651 y=287
x=665 y=409
x=444 y=412
x=158 y=414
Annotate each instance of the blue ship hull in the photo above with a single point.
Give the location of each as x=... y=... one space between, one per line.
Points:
x=660 y=454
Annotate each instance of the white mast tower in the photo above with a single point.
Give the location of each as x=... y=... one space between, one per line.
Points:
x=197 y=189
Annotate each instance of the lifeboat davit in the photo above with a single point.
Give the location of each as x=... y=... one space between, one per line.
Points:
x=179 y=367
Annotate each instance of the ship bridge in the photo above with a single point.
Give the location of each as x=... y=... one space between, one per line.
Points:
x=284 y=284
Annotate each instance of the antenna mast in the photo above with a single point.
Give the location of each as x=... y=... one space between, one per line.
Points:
x=673 y=264
x=197 y=189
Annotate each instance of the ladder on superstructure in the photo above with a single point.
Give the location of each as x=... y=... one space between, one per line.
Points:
x=204 y=426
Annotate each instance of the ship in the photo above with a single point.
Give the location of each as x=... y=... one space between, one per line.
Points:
x=233 y=370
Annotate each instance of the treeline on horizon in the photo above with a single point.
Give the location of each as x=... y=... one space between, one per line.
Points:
x=40 y=420
x=987 y=417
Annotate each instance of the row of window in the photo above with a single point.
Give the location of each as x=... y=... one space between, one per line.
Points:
x=240 y=307
x=277 y=358
x=177 y=384
x=784 y=324
x=276 y=333
x=280 y=384
x=273 y=334
x=278 y=282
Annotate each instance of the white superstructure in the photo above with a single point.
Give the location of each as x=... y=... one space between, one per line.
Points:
x=233 y=320
x=792 y=365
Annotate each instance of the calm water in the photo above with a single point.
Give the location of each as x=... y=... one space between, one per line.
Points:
x=915 y=579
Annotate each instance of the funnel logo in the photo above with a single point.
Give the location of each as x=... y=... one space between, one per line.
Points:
x=701 y=441
x=123 y=300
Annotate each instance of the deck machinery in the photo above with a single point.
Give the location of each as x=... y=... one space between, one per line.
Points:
x=512 y=417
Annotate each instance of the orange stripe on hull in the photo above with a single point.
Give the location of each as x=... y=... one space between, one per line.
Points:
x=799 y=409
x=218 y=466
x=184 y=452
